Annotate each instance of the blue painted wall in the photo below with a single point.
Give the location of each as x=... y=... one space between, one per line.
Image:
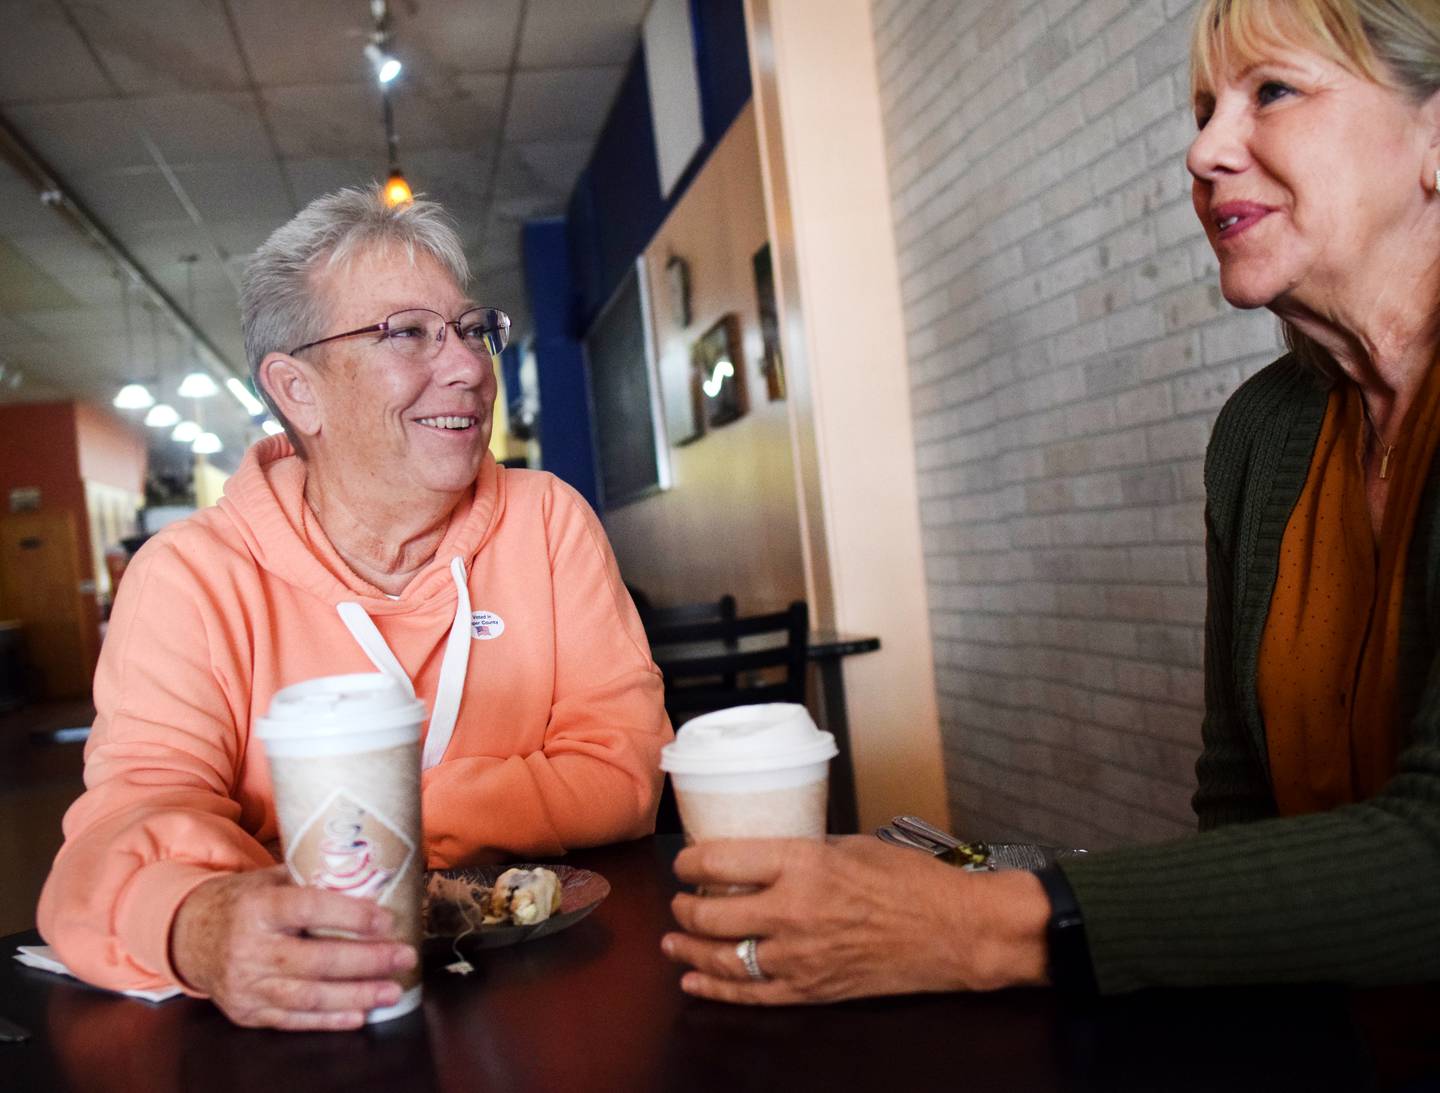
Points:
x=616 y=206
x=567 y=446
x=613 y=213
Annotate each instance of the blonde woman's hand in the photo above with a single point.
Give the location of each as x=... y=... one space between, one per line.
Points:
x=849 y=918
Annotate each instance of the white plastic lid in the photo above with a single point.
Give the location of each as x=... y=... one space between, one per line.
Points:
x=773 y=736
x=335 y=706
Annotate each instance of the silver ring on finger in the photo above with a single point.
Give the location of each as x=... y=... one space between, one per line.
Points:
x=746 y=952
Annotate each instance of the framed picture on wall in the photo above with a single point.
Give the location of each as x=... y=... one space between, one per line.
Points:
x=631 y=455
x=718 y=374
x=773 y=366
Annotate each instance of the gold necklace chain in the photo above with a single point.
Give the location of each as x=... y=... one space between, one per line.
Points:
x=1386 y=450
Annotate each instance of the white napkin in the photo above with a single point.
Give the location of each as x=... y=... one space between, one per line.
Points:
x=44 y=958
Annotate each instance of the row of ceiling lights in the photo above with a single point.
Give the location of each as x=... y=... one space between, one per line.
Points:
x=195 y=386
x=199 y=385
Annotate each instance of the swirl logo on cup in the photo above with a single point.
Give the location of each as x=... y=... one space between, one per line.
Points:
x=350 y=848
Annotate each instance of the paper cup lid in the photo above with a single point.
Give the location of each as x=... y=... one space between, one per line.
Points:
x=773 y=736
x=339 y=706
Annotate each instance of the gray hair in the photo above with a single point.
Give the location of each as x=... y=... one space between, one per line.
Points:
x=279 y=306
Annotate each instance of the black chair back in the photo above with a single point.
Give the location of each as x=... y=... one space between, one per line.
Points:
x=720 y=610
x=717 y=664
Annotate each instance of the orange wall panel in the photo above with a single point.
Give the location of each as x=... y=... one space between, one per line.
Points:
x=55 y=446
x=39 y=447
x=111 y=451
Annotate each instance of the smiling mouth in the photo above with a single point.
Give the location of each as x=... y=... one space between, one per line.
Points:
x=447 y=422
x=1232 y=224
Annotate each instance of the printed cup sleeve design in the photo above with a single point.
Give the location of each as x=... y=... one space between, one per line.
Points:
x=348 y=847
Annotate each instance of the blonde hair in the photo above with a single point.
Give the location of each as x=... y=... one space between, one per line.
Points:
x=1394 y=43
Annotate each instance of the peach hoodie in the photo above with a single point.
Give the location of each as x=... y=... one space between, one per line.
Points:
x=556 y=743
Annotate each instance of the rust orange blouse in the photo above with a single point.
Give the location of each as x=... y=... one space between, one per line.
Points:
x=1326 y=673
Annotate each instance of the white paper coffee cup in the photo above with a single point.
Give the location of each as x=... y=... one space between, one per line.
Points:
x=344 y=756
x=751 y=772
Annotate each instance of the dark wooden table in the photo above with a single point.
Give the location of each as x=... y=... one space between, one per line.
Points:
x=825 y=649
x=597 y=1008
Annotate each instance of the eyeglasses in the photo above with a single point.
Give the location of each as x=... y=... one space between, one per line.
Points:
x=418 y=334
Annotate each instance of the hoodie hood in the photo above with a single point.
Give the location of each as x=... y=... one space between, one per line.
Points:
x=265 y=501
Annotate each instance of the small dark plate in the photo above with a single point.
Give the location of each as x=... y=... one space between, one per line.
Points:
x=581 y=891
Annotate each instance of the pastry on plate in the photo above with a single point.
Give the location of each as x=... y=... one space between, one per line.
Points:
x=524 y=896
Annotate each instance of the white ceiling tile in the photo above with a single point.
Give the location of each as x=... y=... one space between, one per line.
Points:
x=75 y=137
x=310 y=177
x=42 y=59
x=327 y=121
x=240 y=238
x=21 y=212
x=156 y=243
x=461 y=35
x=457 y=180
x=91 y=290
x=205 y=128
x=317 y=41
x=125 y=197
x=564 y=34
x=460 y=111
x=63 y=256
x=206 y=274
x=560 y=104
x=237 y=191
x=549 y=167
x=156 y=46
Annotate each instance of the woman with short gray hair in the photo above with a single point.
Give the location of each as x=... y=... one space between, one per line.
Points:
x=396 y=544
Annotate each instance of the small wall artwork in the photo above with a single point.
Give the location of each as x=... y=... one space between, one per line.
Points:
x=717 y=379
x=773 y=366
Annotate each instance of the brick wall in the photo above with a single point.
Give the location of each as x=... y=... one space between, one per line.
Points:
x=1068 y=350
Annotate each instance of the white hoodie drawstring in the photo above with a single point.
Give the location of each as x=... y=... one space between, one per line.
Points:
x=452 y=673
x=362 y=629
x=452 y=668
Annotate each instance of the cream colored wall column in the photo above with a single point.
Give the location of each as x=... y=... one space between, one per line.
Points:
x=828 y=208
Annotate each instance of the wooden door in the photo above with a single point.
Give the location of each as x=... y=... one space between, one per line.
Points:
x=40 y=586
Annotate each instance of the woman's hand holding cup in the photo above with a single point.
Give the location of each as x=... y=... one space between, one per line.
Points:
x=242 y=938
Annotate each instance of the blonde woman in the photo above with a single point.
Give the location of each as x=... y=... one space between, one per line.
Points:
x=1316 y=171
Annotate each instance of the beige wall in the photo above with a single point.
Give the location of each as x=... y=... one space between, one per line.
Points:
x=813 y=70
x=730 y=522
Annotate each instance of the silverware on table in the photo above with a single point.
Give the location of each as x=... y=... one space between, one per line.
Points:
x=918 y=828
x=890 y=835
x=915 y=833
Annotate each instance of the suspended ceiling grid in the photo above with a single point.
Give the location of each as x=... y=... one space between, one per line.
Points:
x=196 y=127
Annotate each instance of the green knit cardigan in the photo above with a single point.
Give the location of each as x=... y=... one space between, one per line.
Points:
x=1346 y=896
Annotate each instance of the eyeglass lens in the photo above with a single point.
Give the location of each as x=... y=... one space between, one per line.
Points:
x=418 y=333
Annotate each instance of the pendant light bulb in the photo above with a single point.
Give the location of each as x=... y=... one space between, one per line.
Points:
x=161 y=416
x=198 y=385
x=397 y=190
x=186 y=432
x=134 y=396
